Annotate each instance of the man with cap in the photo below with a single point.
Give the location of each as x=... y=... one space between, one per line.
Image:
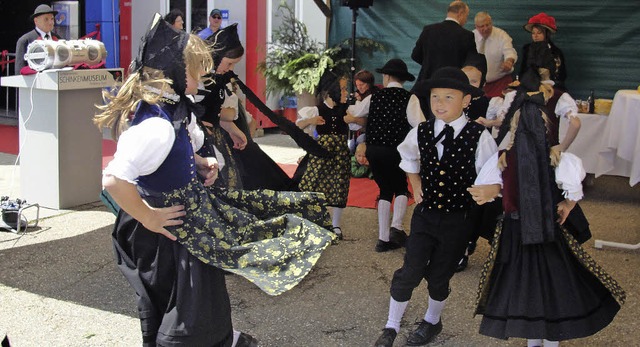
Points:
x=446 y=43
x=442 y=157
x=44 y=19
x=215 y=22
x=393 y=111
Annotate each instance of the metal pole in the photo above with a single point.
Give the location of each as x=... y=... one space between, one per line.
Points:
x=353 y=48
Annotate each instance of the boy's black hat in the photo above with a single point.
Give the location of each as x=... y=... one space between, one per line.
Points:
x=446 y=77
x=396 y=68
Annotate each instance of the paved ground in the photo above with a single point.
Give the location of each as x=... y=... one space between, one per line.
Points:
x=59 y=285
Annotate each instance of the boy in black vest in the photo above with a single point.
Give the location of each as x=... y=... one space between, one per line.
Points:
x=442 y=157
x=393 y=111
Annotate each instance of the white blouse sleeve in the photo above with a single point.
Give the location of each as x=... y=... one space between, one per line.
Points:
x=410 y=152
x=490 y=172
x=196 y=134
x=141 y=149
x=494 y=106
x=307 y=112
x=361 y=108
x=414 y=112
x=506 y=103
x=569 y=176
x=231 y=101
x=566 y=106
x=486 y=148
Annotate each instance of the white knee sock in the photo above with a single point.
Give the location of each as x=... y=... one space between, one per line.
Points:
x=336 y=215
x=534 y=343
x=396 y=311
x=434 y=310
x=236 y=336
x=548 y=343
x=384 y=210
x=399 y=209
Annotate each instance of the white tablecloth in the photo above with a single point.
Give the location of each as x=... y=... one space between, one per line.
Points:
x=585 y=145
x=620 y=147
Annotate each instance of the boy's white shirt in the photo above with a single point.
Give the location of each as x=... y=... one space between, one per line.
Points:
x=410 y=152
x=358 y=110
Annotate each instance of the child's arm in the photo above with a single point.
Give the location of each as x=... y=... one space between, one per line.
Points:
x=410 y=162
x=416 y=186
x=484 y=193
x=564 y=208
x=207 y=168
x=569 y=175
x=238 y=137
x=349 y=118
x=154 y=219
x=229 y=110
x=309 y=116
x=566 y=107
x=488 y=183
x=414 y=112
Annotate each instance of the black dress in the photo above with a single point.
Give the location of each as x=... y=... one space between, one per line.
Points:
x=332 y=175
x=551 y=290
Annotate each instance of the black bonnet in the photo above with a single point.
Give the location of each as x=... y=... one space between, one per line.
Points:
x=224 y=40
x=162 y=48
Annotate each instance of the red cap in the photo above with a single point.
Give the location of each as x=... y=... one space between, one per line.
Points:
x=542 y=19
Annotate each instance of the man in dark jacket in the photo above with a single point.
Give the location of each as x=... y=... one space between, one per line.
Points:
x=44 y=20
x=446 y=43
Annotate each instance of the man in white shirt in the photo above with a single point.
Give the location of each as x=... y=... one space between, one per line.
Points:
x=44 y=19
x=497 y=47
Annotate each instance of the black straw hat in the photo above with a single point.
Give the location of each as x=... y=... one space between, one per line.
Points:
x=446 y=77
x=396 y=68
x=43 y=9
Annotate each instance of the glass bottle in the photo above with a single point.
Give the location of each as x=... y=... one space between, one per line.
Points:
x=592 y=102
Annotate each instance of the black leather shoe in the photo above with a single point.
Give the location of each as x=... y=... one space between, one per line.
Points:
x=398 y=236
x=387 y=337
x=462 y=264
x=424 y=333
x=246 y=340
x=338 y=232
x=472 y=247
x=384 y=246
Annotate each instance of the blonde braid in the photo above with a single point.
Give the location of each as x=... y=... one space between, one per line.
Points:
x=502 y=161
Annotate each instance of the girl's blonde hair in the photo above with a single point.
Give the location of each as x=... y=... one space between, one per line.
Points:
x=143 y=85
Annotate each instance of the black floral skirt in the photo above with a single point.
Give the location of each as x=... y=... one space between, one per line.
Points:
x=271 y=238
x=332 y=175
x=552 y=291
x=229 y=176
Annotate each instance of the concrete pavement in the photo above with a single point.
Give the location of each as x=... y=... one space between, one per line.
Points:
x=59 y=285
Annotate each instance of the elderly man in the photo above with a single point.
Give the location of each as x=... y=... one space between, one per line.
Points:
x=215 y=22
x=497 y=47
x=446 y=43
x=44 y=20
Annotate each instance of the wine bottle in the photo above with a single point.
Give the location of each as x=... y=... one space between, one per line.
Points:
x=592 y=102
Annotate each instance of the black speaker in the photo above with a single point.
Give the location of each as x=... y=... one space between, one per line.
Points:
x=357 y=3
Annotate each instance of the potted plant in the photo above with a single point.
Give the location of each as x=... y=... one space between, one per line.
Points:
x=294 y=62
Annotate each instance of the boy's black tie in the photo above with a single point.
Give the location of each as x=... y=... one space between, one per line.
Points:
x=447 y=133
